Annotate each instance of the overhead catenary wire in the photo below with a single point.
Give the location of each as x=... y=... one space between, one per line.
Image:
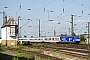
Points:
x=41 y=8
x=25 y=23
x=47 y=4
x=28 y=4
x=21 y=8
x=76 y=3
x=69 y=14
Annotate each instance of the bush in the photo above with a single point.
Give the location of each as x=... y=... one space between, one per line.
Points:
x=1 y=49
x=21 y=46
x=57 y=49
x=31 y=57
x=44 y=46
x=40 y=52
x=82 y=37
x=15 y=58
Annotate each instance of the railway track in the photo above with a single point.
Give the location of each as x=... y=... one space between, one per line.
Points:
x=77 y=46
x=37 y=54
x=69 y=49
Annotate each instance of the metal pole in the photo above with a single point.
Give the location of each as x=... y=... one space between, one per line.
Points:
x=69 y=31
x=18 y=27
x=20 y=31
x=88 y=32
x=3 y=17
x=54 y=33
x=72 y=30
x=39 y=27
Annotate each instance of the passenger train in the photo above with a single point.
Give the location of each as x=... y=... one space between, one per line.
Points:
x=59 y=39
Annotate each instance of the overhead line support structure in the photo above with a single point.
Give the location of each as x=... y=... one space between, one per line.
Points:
x=39 y=27
x=88 y=32
x=72 y=24
x=18 y=26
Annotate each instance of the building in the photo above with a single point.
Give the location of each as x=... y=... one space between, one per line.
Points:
x=9 y=32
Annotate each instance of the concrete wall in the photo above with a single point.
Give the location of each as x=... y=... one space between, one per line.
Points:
x=9 y=42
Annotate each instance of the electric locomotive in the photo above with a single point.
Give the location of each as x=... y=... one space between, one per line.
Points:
x=70 y=39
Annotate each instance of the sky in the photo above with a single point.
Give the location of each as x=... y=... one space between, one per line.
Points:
x=41 y=10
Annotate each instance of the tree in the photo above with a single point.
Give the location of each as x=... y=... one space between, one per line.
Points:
x=63 y=34
x=82 y=37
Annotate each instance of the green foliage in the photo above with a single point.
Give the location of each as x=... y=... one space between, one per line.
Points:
x=82 y=42
x=39 y=45
x=88 y=47
x=21 y=46
x=44 y=46
x=0 y=45
x=14 y=58
x=39 y=51
x=31 y=57
x=89 y=56
x=82 y=37
x=39 y=58
x=57 y=49
x=63 y=34
x=1 y=49
x=19 y=51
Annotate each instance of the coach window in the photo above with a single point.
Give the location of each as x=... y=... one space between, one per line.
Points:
x=45 y=38
x=55 y=38
x=49 y=38
x=52 y=38
x=58 y=38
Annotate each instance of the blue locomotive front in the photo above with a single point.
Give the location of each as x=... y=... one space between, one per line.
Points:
x=70 y=39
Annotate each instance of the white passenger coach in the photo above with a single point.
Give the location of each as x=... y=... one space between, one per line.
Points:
x=40 y=39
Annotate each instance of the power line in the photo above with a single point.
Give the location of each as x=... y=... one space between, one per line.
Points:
x=41 y=8
x=28 y=4
x=75 y=12
x=20 y=7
